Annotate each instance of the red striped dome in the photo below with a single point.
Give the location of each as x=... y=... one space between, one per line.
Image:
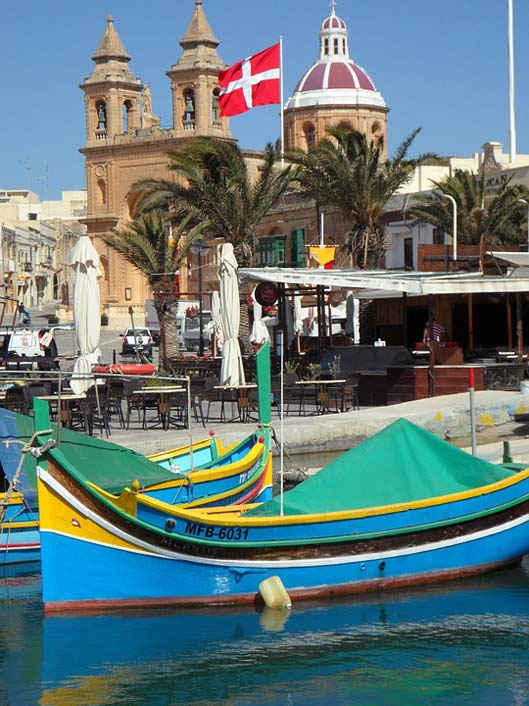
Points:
x=335 y=74
x=333 y=22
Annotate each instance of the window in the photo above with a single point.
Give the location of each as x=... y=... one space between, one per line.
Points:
x=271 y=251
x=408 y=253
x=189 y=109
x=215 y=113
x=127 y=107
x=438 y=236
x=336 y=46
x=310 y=136
x=101 y=115
x=326 y=47
x=298 y=252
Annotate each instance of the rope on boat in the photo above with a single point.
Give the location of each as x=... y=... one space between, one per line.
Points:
x=36 y=452
x=186 y=480
x=301 y=470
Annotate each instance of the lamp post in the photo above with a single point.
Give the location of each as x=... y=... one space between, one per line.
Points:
x=454 y=227
x=527 y=204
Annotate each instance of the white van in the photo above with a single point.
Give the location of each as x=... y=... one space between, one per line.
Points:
x=31 y=348
x=187 y=327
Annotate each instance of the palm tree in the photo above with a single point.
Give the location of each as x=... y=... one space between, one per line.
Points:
x=346 y=171
x=499 y=218
x=146 y=245
x=217 y=187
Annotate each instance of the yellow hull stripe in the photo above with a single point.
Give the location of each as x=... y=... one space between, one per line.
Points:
x=179 y=451
x=57 y=514
x=29 y=524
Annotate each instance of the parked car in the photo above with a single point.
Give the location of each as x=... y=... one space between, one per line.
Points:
x=28 y=348
x=139 y=339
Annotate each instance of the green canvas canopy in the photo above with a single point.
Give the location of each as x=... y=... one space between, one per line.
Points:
x=401 y=463
x=110 y=466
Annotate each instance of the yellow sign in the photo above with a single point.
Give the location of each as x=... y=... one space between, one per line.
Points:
x=321 y=256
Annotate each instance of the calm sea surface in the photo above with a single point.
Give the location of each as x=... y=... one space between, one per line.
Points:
x=455 y=644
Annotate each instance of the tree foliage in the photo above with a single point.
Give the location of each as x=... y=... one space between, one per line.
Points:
x=346 y=171
x=500 y=218
x=216 y=187
x=145 y=244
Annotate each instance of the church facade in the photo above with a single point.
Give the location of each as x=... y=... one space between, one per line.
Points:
x=125 y=143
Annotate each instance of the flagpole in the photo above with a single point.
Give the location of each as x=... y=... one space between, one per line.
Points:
x=281 y=99
x=512 y=119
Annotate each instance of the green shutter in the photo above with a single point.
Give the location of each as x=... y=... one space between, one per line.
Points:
x=298 y=254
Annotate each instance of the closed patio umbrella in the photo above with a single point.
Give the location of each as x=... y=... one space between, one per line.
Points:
x=86 y=311
x=294 y=319
x=259 y=333
x=232 y=372
x=350 y=315
x=215 y=325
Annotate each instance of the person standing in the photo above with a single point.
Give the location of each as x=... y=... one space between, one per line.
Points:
x=24 y=314
x=438 y=331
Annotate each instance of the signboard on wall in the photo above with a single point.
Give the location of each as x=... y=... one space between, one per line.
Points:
x=266 y=294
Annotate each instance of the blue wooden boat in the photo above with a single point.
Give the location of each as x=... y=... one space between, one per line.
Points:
x=208 y=475
x=402 y=508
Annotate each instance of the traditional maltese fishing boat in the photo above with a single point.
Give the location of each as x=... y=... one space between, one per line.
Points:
x=205 y=474
x=402 y=508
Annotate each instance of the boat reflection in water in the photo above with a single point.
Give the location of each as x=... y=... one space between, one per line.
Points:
x=459 y=643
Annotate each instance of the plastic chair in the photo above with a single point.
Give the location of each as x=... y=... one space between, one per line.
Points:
x=134 y=402
x=94 y=407
x=114 y=400
x=351 y=391
x=293 y=394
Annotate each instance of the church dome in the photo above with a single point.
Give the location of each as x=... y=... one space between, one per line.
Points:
x=335 y=79
x=333 y=22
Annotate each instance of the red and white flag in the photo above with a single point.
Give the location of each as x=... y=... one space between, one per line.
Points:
x=251 y=82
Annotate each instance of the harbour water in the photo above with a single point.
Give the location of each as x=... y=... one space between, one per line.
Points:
x=453 y=644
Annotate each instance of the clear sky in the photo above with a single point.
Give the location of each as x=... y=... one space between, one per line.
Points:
x=441 y=66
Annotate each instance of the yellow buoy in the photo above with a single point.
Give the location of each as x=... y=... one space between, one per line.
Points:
x=274 y=594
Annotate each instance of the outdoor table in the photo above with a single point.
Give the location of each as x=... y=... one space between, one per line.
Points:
x=164 y=404
x=237 y=394
x=322 y=390
x=65 y=404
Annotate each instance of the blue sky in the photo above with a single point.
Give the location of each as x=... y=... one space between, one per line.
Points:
x=441 y=66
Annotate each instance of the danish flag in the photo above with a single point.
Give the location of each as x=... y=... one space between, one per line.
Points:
x=251 y=82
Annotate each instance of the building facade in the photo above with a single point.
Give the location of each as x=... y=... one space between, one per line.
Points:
x=125 y=143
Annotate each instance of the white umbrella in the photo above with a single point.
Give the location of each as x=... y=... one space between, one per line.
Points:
x=232 y=372
x=215 y=325
x=259 y=333
x=298 y=319
x=350 y=315
x=86 y=311
x=294 y=317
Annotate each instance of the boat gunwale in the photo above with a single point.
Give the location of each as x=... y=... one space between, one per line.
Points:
x=200 y=547
x=211 y=516
x=199 y=476
x=260 y=458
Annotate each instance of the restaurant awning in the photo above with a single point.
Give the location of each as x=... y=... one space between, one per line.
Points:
x=384 y=284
